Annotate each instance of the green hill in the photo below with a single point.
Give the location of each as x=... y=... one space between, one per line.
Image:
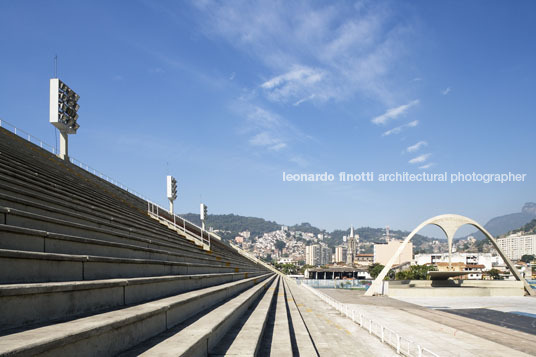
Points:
x=230 y=225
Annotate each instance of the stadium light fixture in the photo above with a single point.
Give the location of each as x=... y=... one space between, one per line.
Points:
x=203 y=214
x=171 y=191
x=63 y=113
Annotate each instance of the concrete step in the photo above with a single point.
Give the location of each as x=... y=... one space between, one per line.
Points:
x=42 y=201
x=44 y=161
x=110 y=333
x=14 y=217
x=26 y=304
x=68 y=217
x=79 y=202
x=64 y=184
x=280 y=343
x=196 y=336
x=330 y=337
x=303 y=342
x=25 y=200
x=244 y=338
x=101 y=230
x=32 y=267
x=61 y=188
x=25 y=239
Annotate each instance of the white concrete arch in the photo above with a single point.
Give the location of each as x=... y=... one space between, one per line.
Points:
x=449 y=224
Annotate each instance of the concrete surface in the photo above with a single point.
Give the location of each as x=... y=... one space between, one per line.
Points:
x=333 y=334
x=443 y=333
x=517 y=313
x=244 y=339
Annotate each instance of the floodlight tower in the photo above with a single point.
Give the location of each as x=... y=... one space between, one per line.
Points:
x=171 y=191
x=203 y=214
x=63 y=113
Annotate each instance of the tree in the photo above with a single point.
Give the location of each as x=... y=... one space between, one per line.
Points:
x=527 y=258
x=287 y=268
x=279 y=245
x=305 y=267
x=415 y=272
x=374 y=270
x=494 y=274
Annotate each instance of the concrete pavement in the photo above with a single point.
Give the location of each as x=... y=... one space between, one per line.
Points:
x=443 y=333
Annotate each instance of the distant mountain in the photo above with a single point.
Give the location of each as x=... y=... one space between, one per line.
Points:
x=375 y=235
x=503 y=224
x=305 y=227
x=527 y=228
x=230 y=225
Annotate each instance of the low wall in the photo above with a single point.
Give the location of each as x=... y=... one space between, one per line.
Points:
x=335 y=283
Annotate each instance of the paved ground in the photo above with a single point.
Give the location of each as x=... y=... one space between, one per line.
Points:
x=333 y=334
x=523 y=304
x=505 y=319
x=444 y=333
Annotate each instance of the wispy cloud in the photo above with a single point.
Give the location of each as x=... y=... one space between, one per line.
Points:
x=298 y=81
x=427 y=166
x=321 y=51
x=266 y=129
x=398 y=129
x=419 y=159
x=304 y=100
x=417 y=146
x=299 y=160
x=394 y=113
x=446 y=91
x=266 y=139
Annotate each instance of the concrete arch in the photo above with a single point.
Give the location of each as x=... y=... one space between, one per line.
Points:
x=449 y=224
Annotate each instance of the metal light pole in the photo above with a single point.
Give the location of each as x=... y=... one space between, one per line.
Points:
x=203 y=214
x=63 y=113
x=171 y=185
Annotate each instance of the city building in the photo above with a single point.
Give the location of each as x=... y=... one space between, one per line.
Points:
x=340 y=254
x=288 y=260
x=516 y=245
x=474 y=270
x=312 y=254
x=486 y=259
x=317 y=254
x=384 y=251
x=336 y=273
x=326 y=255
x=364 y=259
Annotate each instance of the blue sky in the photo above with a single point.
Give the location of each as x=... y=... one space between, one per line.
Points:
x=227 y=95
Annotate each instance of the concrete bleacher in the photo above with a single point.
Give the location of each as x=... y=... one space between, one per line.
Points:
x=84 y=270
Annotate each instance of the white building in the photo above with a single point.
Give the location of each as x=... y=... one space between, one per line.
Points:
x=340 y=254
x=384 y=251
x=288 y=260
x=516 y=245
x=485 y=259
x=317 y=254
